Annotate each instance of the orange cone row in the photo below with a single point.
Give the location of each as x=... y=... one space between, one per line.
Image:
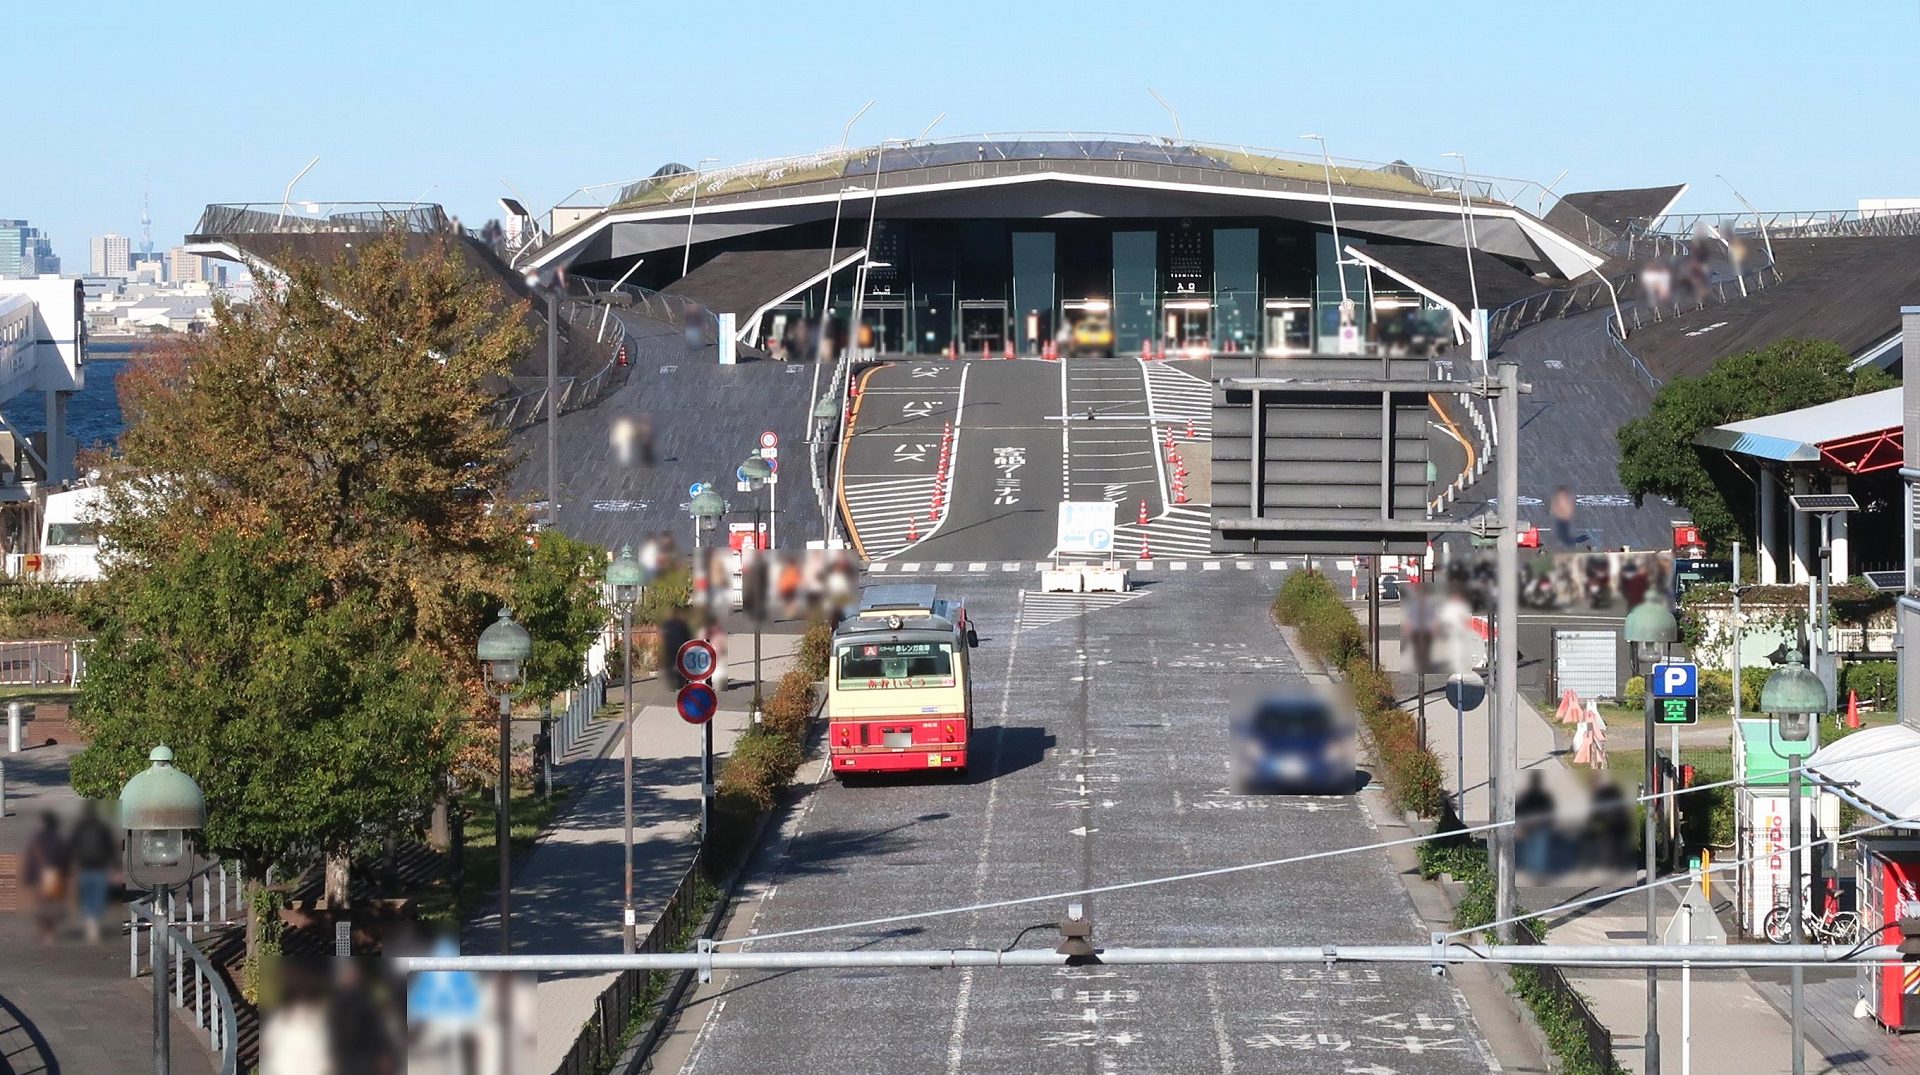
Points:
x=1145 y=553
x=913 y=528
x=1143 y=513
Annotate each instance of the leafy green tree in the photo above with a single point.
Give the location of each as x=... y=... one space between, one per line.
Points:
x=1657 y=453
x=346 y=404
x=314 y=725
x=556 y=597
x=345 y=408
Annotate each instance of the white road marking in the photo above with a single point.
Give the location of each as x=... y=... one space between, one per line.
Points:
x=956 y=1041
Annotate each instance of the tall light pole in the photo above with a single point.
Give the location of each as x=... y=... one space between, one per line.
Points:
x=286 y=196
x=550 y=282
x=625 y=577
x=1757 y=218
x=1333 y=220
x=1466 y=227
x=160 y=807
x=686 y=255
x=707 y=508
x=1794 y=695
x=1652 y=623
x=826 y=296
x=866 y=254
x=1179 y=136
x=757 y=474
x=504 y=647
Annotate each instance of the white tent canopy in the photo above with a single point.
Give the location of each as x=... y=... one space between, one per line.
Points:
x=1879 y=767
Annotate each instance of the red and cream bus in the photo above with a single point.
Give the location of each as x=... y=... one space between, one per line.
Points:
x=900 y=688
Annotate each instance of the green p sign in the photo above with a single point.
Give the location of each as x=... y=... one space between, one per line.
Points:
x=1676 y=711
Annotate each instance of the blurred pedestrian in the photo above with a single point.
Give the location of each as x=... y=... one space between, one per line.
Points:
x=1563 y=507
x=44 y=876
x=1533 y=826
x=1607 y=838
x=96 y=849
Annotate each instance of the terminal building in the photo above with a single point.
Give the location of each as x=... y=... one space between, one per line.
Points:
x=1112 y=244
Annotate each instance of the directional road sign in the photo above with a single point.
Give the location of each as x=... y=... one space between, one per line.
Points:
x=696 y=660
x=696 y=703
x=694 y=489
x=1466 y=690
x=1674 y=681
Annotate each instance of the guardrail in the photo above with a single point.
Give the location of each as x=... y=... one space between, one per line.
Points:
x=43 y=662
x=173 y=953
x=602 y=1041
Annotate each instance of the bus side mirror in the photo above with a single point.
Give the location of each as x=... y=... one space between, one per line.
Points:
x=973 y=639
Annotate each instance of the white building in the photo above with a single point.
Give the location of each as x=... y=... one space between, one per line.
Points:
x=111 y=255
x=41 y=350
x=185 y=268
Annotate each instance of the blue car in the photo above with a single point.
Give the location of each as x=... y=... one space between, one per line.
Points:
x=1295 y=744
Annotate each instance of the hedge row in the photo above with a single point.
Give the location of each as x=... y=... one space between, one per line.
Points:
x=765 y=757
x=1412 y=774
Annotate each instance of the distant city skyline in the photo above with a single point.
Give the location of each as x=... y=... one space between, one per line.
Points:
x=1650 y=94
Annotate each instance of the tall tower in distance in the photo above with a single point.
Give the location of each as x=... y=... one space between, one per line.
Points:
x=146 y=220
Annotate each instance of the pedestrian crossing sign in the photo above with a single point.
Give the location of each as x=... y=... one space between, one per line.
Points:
x=443 y=997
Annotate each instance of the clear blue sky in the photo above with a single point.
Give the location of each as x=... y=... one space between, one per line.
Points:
x=1802 y=108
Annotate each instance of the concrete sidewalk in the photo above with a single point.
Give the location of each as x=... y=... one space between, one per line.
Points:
x=1735 y=1031
x=567 y=892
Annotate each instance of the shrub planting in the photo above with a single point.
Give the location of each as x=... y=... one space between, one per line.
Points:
x=1412 y=775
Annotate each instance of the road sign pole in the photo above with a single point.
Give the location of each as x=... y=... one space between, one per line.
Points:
x=706 y=783
x=1648 y=837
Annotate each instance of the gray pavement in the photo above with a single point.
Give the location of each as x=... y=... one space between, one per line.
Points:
x=1103 y=757
x=567 y=892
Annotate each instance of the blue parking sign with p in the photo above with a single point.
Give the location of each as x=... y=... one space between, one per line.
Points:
x=1675 y=680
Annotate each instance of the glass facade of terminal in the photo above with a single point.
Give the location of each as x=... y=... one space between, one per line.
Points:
x=1097 y=286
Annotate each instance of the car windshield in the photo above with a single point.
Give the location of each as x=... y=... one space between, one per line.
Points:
x=1291 y=718
x=867 y=665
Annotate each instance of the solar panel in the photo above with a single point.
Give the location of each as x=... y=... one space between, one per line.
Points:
x=1823 y=502
x=1887 y=581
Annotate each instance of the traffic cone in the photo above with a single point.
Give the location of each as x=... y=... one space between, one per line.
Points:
x=913 y=528
x=984 y=352
x=1008 y=352
x=1145 y=553
x=1853 y=709
x=1143 y=513
x=1189 y=428
x=1179 y=492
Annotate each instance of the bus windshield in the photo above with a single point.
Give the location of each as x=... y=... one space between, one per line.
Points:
x=884 y=665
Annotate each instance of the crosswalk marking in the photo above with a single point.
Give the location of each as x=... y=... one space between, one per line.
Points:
x=1045 y=609
x=1182 y=531
x=1178 y=396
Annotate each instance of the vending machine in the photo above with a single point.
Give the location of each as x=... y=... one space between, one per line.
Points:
x=1888 y=871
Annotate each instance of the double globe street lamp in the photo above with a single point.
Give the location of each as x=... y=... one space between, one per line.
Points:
x=161 y=808
x=504 y=647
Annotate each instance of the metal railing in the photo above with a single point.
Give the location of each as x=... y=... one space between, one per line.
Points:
x=196 y=984
x=43 y=662
x=1599 y=1038
x=308 y=218
x=1557 y=302
x=603 y=1039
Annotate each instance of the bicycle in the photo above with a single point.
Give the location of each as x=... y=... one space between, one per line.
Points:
x=1833 y=927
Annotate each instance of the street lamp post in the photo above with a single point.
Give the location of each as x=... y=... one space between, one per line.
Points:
x=160 y=807
x=757 y=472
x=1794 y=695
x=625 y=576
x=707 y=509
x=686 y=255
x=1333 y=221
x=504 y=646
x=1651 y=623
x=1466 y=227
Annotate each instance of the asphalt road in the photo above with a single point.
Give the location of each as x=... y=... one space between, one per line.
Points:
x=1101 y=757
